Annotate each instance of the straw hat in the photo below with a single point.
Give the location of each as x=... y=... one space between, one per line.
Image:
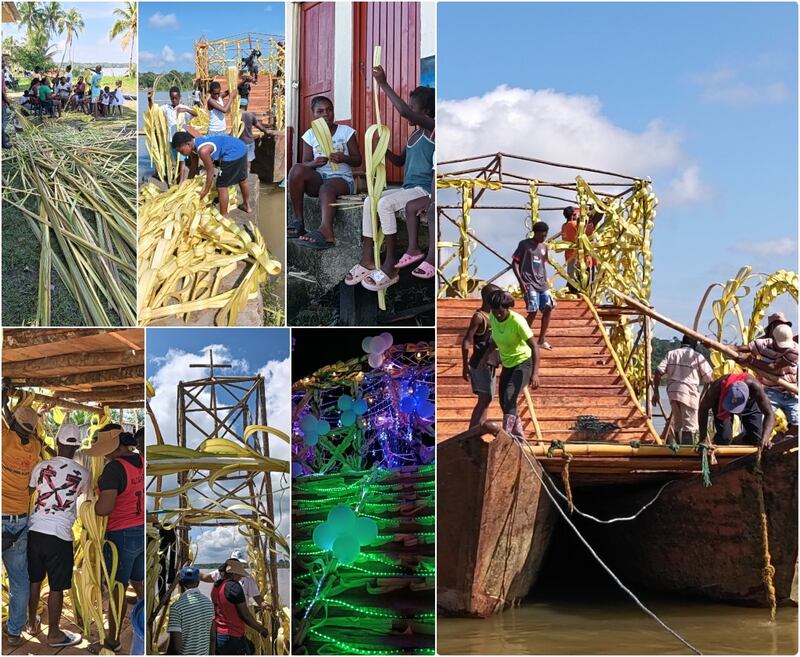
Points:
x=782 y=336
x=107 y=440
x=26 y=418
x=235 y=567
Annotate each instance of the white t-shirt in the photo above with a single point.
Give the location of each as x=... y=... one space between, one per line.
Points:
x=119 y=97
x=216 y=120
x=340 y=139
x=175 y=120
x=57 y=482
x=248 y=584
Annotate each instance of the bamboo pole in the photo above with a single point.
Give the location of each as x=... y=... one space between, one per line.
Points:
x=708 y=342
x=72 y=361
x=606 y=449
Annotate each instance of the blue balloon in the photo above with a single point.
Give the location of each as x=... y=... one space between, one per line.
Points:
x=425 y=409
x=346 y=548
x=348 y=419
x=408 y=404
x=342 y=518
x=311 y=439
x=324 y=536
x=366 y=530
x=345 y=403
x=422 y=391
x=360 y=406
x=323 y=427
x=309 y=424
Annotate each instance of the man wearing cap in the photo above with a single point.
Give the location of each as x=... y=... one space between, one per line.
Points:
x=737 y=394
x=249 y=585
x=21 y=453
x=778 y=354
x=231 y=615
x=191 y=618
x=121 y=498
x=56 y=485
x=685 y=369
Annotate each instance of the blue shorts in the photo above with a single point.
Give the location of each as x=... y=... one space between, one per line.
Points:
x=350 y=182
x=784 y=400
x=536 y=301
x=130 y=553
x=251 y=152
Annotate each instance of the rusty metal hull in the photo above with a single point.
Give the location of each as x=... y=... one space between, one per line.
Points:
x=706 y=541
x=493 y=526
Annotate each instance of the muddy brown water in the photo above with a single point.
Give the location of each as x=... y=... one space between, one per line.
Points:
x=581 y=628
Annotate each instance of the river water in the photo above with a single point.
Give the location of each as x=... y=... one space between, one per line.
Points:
x=560 y=627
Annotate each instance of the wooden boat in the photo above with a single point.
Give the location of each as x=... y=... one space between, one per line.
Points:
x=495 y=521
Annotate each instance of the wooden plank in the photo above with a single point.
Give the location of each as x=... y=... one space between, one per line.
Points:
x=86 y=378
x=84 y=361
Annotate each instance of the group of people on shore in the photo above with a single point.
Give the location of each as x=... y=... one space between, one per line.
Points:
x=329 y=177
x=498 y=336
x=226 y=159
x=203 y=625
x=40 y=505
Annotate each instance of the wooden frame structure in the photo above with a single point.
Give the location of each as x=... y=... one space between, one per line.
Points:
x=74 y=367
x=234 y=402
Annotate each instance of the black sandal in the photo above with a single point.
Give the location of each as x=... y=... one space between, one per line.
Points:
x=316 y=240
x=295 y=229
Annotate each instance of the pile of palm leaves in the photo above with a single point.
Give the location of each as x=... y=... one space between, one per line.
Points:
x=77 y=191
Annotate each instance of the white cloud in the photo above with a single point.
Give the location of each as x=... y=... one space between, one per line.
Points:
x=781 y=246
x=153 y=59
x=216 y=545
x=167 y=55
x=278 y=381
x=742 y=83
x=147 y=57
x=742 y=93
x=556 y=127
x=161 y=21
x=186 y=57
x=687 y=187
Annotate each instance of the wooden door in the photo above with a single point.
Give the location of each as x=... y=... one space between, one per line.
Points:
x=316 y=61
x=395 y=26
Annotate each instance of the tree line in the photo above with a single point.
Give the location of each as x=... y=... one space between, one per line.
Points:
x=182 y=79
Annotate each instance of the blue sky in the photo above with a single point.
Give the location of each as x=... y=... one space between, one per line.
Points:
x=92 y=43
x=701 y=97
x=168 y=30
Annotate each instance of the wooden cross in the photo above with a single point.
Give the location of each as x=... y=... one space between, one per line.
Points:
x=211 y=364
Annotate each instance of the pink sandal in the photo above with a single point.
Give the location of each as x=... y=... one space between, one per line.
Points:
x=408 y=260
x=380 y=281
x=425 y=271
x=356 y=274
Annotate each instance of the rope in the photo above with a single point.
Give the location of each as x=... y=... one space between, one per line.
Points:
x=768 y=571
x=597 y=557
x=706 y=450
x=565 y=479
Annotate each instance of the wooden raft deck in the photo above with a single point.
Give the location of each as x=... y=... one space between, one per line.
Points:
x=578 y=377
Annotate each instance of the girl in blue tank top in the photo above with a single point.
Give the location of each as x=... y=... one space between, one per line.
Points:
x=417 y=160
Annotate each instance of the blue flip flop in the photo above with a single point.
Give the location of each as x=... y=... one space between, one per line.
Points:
x=316 y=240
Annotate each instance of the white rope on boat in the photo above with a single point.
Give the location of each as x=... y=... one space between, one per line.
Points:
x=610 y=520
x=520 y=443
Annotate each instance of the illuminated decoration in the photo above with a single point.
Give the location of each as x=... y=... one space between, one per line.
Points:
x=363 y=504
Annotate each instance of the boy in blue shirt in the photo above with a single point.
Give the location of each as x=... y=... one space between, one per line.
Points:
x=227 y=153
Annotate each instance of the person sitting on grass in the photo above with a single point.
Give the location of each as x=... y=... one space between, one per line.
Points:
x=218 y=108
x=529 y=265
x=56 y=484
x=417 y=162
x=47 y=97
x=191 y=618
x=224 y=151
x=315 y=176
x=80 y=100
x=173 y=111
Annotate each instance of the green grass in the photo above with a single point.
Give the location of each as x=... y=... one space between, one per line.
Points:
x=128 y=83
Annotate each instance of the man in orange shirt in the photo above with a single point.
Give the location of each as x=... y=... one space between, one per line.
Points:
x=21 y=453
x=569 y=233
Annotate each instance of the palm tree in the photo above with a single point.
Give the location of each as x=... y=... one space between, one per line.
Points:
x=126 y=25
x=30 y=17
x=73 y=24
x=53 y=18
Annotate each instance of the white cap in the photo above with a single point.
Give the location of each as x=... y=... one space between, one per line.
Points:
x=240 y=555
x=782 y=335
x=68 y=434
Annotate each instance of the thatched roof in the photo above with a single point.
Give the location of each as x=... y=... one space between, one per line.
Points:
x=81 y=367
